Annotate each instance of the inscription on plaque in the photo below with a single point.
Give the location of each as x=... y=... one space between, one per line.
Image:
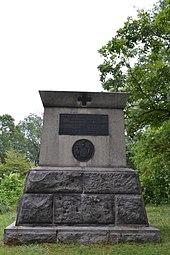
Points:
x=84 y=124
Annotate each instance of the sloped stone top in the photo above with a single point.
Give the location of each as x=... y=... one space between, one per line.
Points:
x=80 y=99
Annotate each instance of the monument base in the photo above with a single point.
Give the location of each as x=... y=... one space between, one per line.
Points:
x=81 y=206
x=14 y=235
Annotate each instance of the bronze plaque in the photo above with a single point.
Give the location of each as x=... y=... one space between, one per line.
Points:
x=84 y=124
x=83 y=150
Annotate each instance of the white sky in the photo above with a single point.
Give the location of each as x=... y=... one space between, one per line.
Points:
x=52 y=45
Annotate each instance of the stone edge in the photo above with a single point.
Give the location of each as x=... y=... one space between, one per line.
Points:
x=14 y=235
x=116 y=100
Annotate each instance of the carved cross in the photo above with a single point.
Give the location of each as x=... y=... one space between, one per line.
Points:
x=84 y=98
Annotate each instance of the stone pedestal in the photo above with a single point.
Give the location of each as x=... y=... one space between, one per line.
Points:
x=81 y=205
x=76 y=195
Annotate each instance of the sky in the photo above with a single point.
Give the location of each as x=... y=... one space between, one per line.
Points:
x=53 y=45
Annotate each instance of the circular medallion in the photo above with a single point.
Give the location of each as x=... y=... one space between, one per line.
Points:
x=83 y=150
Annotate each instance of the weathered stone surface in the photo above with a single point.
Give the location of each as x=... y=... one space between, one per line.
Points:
x=118 y=182
x=134 y=237
x=69 y=99
x=67 y=209
x=54 y=181
x=98 y=208
x=79 y=234
x=82 y=236
x=14 y=235
x=35 y=209
x=135 y=234
x=82 y=209
x=129 y=209
x=99 y=234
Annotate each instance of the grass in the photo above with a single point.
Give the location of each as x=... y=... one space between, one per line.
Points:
x=159 y=216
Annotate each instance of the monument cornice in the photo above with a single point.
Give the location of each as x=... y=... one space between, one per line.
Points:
x=77 y=99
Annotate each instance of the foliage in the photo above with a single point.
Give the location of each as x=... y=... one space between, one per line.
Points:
x=11 y=136
x=136 y=60
x=15 y=162
x=11 y=187
x=12 y=175
x=18 y=143
x=31 y=127
x=151 y=157
x=24 y=137
x=158 y=216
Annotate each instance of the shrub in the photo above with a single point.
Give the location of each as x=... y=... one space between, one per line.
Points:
x=151 y=156
x=11 y=187
x=15 y=162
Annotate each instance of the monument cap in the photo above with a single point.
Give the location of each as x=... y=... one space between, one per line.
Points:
x=77 y=99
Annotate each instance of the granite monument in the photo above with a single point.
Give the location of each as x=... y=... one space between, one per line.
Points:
x=82 y=190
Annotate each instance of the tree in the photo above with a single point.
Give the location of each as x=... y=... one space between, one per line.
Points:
x=31 y=128
x=11 y=136
x=15 y=162
x=151 y=155
x=24 y=137
x=136 y=60
x=7 y=127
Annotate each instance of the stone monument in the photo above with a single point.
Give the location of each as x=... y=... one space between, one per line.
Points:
x=82 y=191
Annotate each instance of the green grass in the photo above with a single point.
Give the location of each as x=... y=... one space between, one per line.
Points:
x=159 y=216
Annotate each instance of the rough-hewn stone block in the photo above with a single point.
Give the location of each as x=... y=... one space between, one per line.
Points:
x=70 y=209
x=115 y=182
x=53 y=181
x=129 y=209
x=67 y=208
x=98 y=208
x=35 y=209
